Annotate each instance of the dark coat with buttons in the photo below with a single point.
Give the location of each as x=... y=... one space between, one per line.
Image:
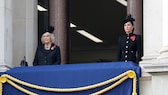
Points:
x=130 y=48
x=47 y=57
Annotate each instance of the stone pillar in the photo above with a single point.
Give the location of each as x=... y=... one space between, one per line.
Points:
x=59 y=20
x=6 y=32
x=18 y=32
x=164 y=40
x=24 y=30
x=135 y=8
x=152 y=30
x=31 y=30
x=155 y=38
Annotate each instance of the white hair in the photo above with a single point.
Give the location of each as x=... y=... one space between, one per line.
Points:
x=51 y=36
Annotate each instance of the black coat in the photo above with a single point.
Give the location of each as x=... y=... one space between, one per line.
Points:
x=130 y=48
x=47 y=57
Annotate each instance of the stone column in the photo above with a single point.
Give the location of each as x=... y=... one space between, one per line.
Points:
x=164 y=40
x=152 y=30
x=155 y=36
x=24 y=31
x=155 y=59
x=31 y=30
x=6 y=44
x=59 y=20
x=135 y=8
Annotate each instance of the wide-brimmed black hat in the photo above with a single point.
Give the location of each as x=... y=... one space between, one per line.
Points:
x=129 y=18
x=49 y=29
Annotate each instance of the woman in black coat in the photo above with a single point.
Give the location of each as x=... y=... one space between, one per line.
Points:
x=130 y=44
x=48 y=53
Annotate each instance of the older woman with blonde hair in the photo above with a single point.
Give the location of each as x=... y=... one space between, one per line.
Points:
x=48 y=53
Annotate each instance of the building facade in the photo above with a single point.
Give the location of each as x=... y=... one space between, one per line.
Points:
x=18 y=33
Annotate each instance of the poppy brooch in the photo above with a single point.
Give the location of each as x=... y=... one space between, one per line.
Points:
x=132 y=38
x=53 y=47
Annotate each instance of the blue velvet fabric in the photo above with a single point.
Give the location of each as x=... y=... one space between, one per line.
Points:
x=73 y=75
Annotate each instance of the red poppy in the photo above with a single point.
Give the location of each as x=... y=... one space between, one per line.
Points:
x=53 y=47
x=132 y=38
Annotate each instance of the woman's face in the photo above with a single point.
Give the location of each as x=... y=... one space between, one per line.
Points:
x=46 y=38
x=128 y=27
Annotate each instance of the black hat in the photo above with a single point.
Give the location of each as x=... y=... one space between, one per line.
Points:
x=49 y=29
x=129 y=19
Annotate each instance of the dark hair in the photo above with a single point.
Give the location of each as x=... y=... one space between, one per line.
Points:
x=129 y=19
